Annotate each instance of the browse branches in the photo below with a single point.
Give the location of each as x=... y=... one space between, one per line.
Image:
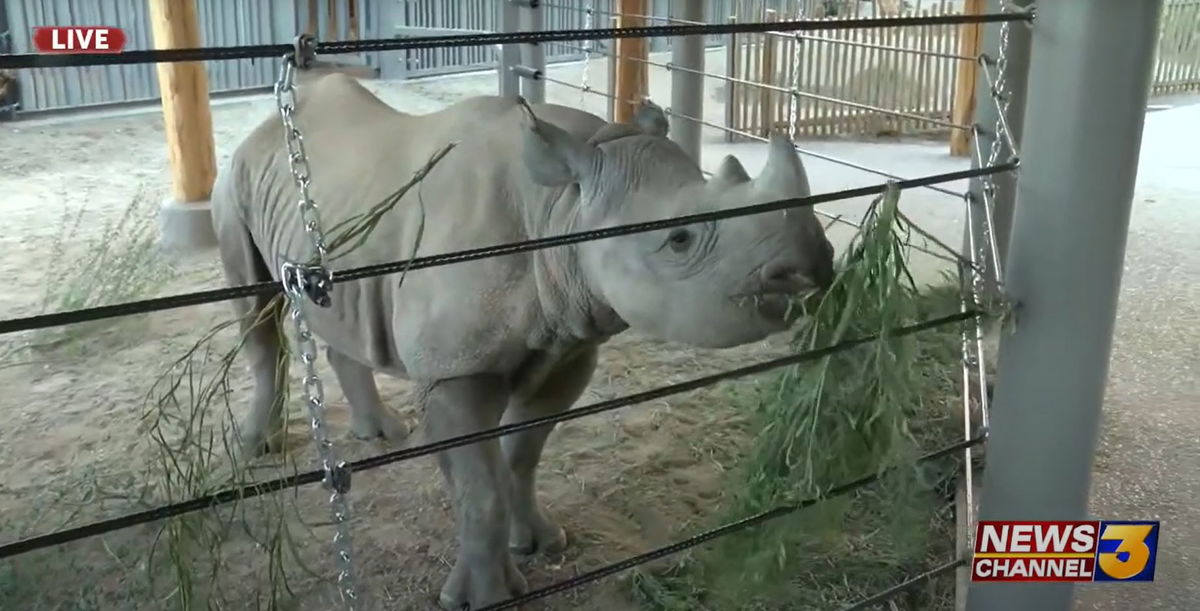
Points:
x=198 y=450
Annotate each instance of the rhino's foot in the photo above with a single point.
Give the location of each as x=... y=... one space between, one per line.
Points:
x=383 y=423
x=536 y=534
x=481 y=581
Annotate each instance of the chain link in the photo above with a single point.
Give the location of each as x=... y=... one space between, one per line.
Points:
x=588 y=47
x=1000 y=96
x=312 y=283
x=794 y=107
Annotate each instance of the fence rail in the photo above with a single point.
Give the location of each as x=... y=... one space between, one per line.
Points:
x=906 y=70
x=1177 y=65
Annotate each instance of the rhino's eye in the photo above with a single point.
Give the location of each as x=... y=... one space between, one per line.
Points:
x=679 y=239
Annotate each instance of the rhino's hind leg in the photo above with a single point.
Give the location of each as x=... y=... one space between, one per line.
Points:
x=263 y=432
x=484 y=572
x=369 y=417
x=530 y=528
x=259 y=319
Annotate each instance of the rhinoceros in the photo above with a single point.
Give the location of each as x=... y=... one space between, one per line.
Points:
x=515 y=337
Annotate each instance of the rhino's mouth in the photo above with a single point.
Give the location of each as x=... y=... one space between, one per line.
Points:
x=776 y=306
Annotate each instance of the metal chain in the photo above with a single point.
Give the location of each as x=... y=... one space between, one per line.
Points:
x=588 y=46
x=794 y=107
x=302 y=284
x=1001 y=98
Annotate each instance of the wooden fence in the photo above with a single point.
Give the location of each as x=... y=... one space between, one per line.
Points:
x=850 y=80
x=1177 y=67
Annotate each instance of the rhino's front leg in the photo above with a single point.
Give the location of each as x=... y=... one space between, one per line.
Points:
x=369 y=417
x=478 y=480
x=530 y=528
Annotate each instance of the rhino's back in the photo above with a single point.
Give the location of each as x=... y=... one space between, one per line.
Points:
x=444 y=321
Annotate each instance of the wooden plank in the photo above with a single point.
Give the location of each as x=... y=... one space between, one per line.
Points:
x=313 y=18
x=925 y=82
x=632 y=78
x=331 y=21
x=963 y=109
x=947 y=66
x=187 y=117
x=352 y=18
x=766 y=76
x=731 y=90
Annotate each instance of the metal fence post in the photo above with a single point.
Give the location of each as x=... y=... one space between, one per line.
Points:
x=510 y=55
x=687 y=85
x=986 y=111
x=1087 y=99
x=533 y=55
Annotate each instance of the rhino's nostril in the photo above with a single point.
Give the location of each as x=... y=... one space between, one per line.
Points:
x=784 y=277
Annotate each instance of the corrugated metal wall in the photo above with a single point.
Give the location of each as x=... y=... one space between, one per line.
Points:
x=478 y=15
x=239 y=22
x=224 y=22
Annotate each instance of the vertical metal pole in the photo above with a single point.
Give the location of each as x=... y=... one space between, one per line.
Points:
x=1017 y=79
x=1081 y=151
x=534 y=55
x=687 y=87
x=612 y=72
x=510 y=55
x=386 y=18
x=732 y=49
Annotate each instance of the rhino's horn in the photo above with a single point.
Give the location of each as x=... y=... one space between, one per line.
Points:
x=783 y=170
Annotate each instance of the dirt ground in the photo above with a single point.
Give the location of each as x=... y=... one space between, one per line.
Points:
x=74 y=443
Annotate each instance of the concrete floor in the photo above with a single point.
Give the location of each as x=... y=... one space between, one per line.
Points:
x=1148 y=464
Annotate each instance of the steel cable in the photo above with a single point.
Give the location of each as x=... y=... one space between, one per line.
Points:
x=309 y=477
x=145 y=56
x=41 y=321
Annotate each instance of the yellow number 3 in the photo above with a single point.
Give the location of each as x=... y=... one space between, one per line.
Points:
x=1133 y=542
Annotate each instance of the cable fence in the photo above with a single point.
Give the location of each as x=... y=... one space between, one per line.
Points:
x=313 y=283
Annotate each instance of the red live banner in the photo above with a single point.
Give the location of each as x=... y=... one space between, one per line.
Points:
x=78 y=39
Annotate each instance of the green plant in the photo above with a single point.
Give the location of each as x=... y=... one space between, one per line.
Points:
x=89 y=266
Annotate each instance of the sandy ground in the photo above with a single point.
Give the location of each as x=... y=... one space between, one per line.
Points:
x=74 y=445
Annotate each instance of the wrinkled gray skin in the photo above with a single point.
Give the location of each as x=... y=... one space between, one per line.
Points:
x=515 y=337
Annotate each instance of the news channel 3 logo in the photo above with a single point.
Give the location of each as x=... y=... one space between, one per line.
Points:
x=1126 y=550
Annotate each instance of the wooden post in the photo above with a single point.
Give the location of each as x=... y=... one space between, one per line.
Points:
x=632 y=79
x=187 y=119
x=963 y=109
x=184 y=89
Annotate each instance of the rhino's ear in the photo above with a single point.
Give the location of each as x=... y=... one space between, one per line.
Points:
x=553 y=157
x=730 y=172
x=651 y=119
x=783 y=172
